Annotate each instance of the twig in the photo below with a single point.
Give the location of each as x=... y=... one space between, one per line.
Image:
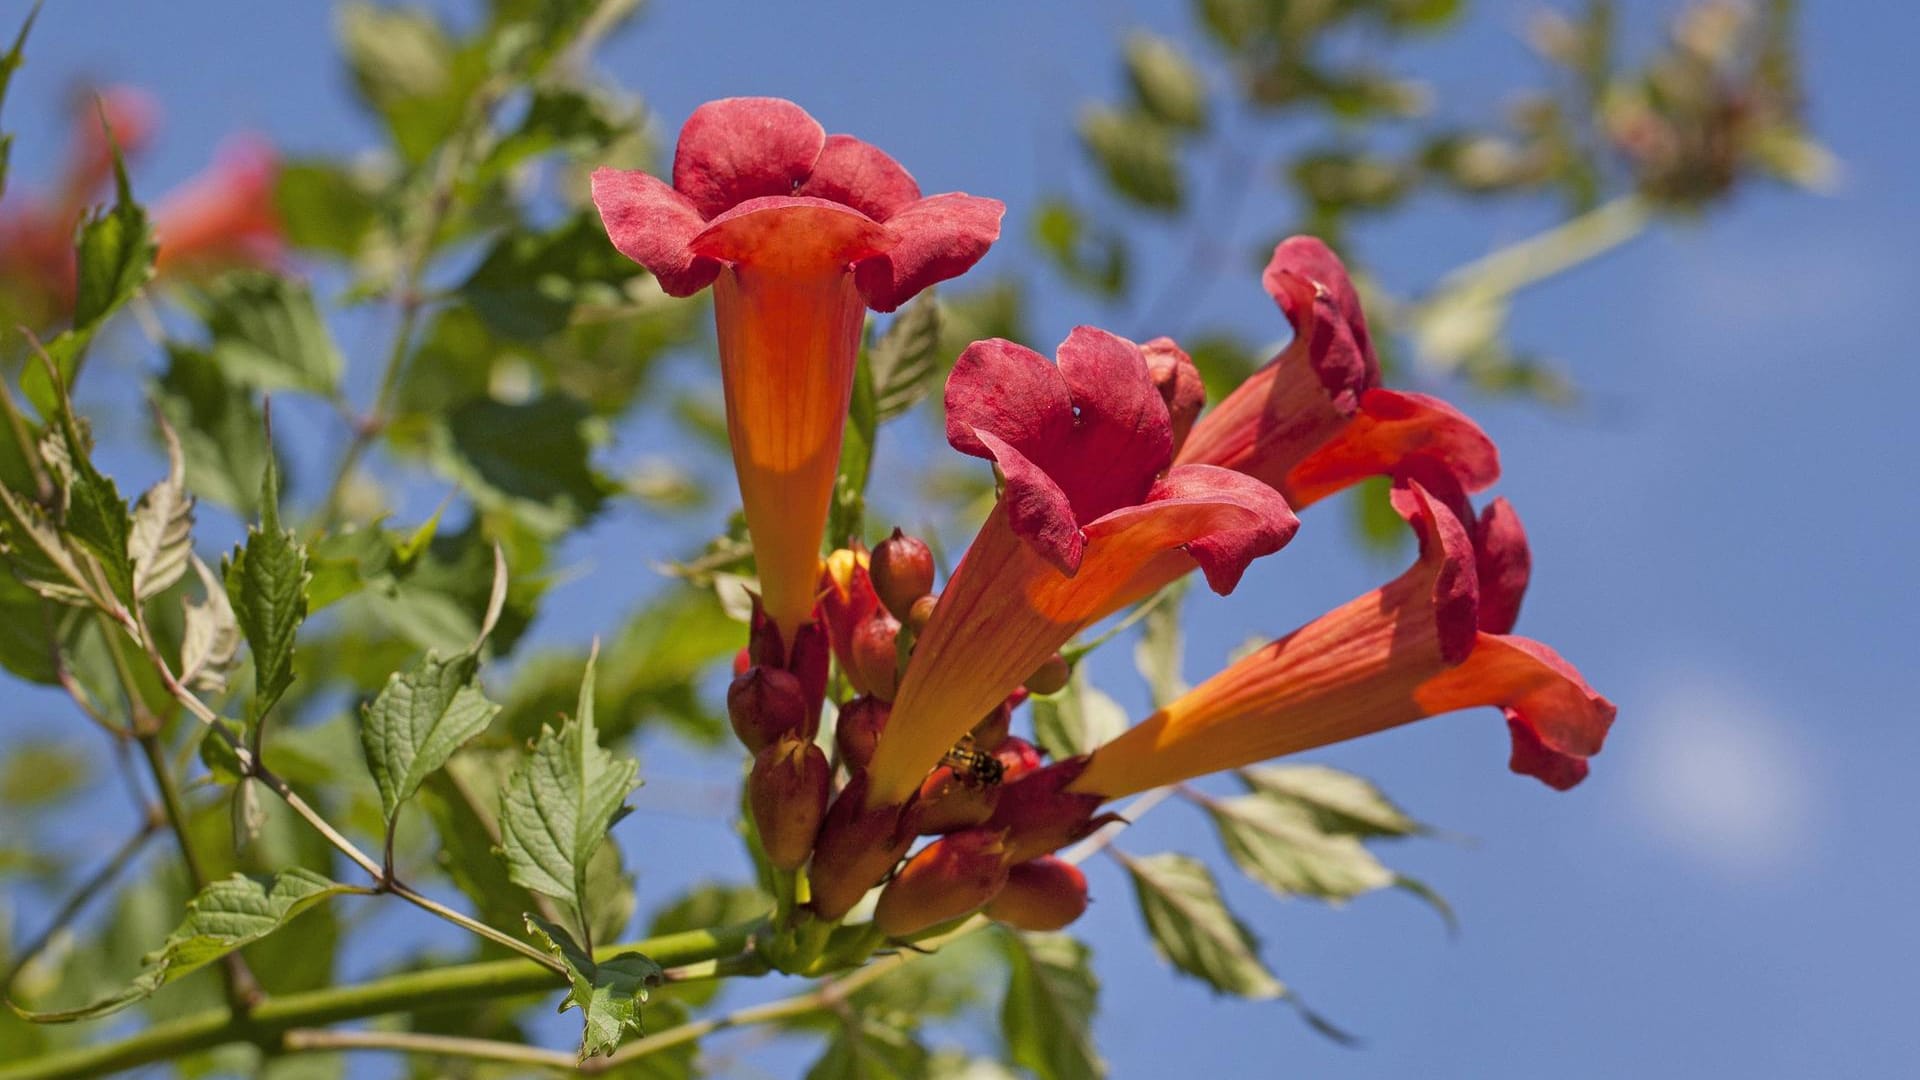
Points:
x=407 y=1042
x=97 y=882
x=412 y=991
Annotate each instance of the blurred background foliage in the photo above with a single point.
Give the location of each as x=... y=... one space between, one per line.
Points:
x=446 y=327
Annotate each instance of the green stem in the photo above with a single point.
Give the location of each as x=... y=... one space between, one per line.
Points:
x=407 y=1042
x=1552 y=252
x=277 y=1015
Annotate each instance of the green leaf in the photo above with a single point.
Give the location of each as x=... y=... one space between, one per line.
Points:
x=528 y=284
x=905 y=362
x=1089 y=256
x=574 y=121
x=1165 y=83
x=222 y=432
x=27 y=631
x=866 y=1047
x=846 y=516
x=1047 y=1017
x=268 y=333
x=1137 y=153
x=608 y=992
x=418 y=720
x=267 y=582
x=1077 y=719
x=37 y=773
x=1193 y=929
x=113 y=259
x=408 y=72
x=533 y=459
x=226 y=916
x=558 y=806
x=1341 y=801
x=1282 y=846
x=161 y=541
x=96 y=514
x=325 y=207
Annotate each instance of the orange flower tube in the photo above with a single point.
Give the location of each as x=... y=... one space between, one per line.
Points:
x=799 y=233
x=1430 y=642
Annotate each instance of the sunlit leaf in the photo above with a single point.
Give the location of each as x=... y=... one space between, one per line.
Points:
x=227 y=915
x=1193 y=929
x=607 y=992
x=267 y=585
x=1047 y=1017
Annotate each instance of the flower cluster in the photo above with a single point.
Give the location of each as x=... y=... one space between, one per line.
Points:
x=224 y=217
x=1115 y=483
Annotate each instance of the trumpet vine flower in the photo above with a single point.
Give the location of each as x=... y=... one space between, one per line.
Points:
x=799 y=233
x=1089 y=501
x=1432 y=641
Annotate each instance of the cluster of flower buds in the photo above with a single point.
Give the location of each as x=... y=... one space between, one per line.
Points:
x=1117 y=481
x=774 y=703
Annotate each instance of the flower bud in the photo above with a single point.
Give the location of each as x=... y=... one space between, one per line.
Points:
x=1040 y=894
x=875 y=661
x=856 y=847
x=808 y=657
x=902 y=570
x=945 y=880
x=766 y=703
x=922 y=612
x=1039 y=814
x=861 y=722
x=1052 y=676
x=787 y=791
x=1179 y=384
x=992 y=729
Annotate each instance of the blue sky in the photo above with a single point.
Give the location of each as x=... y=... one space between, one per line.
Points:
x=1722 y=543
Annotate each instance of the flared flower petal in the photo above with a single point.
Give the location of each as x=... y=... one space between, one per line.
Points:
x=1412 y=649
x=1081 y=516
x=928 y=242
x=737 y=149
x=799 y=233
x=1315 y=420
x=654 y=225
x=1179 y=384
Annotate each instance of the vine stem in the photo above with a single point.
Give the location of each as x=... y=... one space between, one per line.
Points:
x=255 y=768
x=274 y=1017
x=407 y=1042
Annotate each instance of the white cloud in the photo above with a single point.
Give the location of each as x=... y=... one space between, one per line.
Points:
x=1715 y=772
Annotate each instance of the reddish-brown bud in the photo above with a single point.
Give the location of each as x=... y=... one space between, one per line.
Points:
x=1052 y=676
x=861 y=722
x=992 y=729
x=902 y=569
x=765 y=646
x=921 y=612
x=855 y=849
x=765 y=703
x=809 y=655
x=787 y=791
x=874 y=666
x=1179 y=384
x=1040 y=816
x=948 y=878
x=1041 y=894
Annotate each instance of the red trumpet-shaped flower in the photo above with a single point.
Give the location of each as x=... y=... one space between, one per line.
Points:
x=226 y=216
x=1432 y=641
x=1315 y=420
x=799 y=233
x=1089 y=501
